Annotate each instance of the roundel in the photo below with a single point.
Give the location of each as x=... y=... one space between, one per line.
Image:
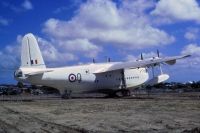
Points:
x=72 y=78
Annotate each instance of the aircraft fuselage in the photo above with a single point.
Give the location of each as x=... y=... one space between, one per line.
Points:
x=83 y=79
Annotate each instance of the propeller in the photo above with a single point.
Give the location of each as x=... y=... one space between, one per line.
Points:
x=109 y=59
x=93 y=60
x=158 y=53
x=141 y=56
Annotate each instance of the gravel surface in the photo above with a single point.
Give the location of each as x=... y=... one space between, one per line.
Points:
x=156 y=113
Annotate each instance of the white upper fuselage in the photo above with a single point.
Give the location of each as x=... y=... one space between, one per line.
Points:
x=82 y=78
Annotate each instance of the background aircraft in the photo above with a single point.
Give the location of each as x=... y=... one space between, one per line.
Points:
x=110 y=77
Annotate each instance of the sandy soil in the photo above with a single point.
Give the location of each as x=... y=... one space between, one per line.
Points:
x=157 y=113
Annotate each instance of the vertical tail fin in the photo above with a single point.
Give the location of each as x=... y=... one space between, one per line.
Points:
x=30 y=53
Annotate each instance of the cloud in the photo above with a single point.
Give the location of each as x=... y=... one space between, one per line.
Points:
x=178 y=10
x=138 y=7
x=10 y=56
x=60 y=9
x=131 y=58
x=81 y=45
x=52 y=55
x=24 y=6
x=101 y=22
x=3 y=21
x=192 y=49
x=151 y=55
x=27 y=5
x=192 y=34
x=73 y=5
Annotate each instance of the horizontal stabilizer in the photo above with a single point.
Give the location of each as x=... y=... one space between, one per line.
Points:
x=38 y=72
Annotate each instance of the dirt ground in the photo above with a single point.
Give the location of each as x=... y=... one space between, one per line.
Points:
x=156 y=113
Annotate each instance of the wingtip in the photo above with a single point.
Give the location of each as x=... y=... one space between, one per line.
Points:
x=185 y=56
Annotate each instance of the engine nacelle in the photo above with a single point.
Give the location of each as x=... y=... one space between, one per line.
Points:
x=158 y=79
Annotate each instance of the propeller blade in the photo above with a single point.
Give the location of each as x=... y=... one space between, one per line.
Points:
x=158 y=53
x=141 y=56
x=109 y=59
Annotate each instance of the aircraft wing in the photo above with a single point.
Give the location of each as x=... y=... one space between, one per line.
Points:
x=141 y=63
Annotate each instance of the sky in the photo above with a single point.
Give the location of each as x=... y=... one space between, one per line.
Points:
x=71 y=32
